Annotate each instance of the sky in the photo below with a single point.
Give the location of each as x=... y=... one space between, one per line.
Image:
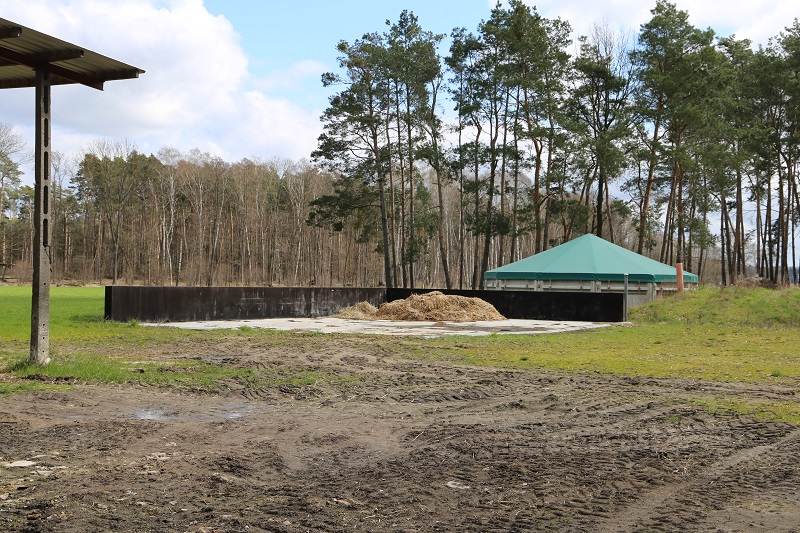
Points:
x=241 y=78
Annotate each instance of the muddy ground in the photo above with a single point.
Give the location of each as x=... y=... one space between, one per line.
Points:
x=405 y=446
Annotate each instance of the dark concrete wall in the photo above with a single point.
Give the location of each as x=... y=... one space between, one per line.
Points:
x=584 y=306
x=175 y=304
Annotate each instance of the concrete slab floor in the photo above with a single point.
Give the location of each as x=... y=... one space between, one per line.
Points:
x=389 y=327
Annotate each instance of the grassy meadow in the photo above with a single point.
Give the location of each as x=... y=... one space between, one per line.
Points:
x=85 y=347
x=746 y=335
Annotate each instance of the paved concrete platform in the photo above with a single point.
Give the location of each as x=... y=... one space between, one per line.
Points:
x=389 y=327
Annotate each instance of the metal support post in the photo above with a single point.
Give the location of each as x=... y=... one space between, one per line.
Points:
x=625 y=298
x=40 y=308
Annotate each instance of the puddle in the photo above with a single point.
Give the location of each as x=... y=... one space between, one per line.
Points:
x=150 y=414
x=238 y=411
x=229 y=412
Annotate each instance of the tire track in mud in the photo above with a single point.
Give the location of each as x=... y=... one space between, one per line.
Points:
x=748 y=472
x=618 y=444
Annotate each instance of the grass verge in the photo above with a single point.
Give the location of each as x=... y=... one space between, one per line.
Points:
x=711 y=352
x=188 y=374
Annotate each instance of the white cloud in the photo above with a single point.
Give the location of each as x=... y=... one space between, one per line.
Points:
x=757 y=21
x=194 y=93
x=271 y=127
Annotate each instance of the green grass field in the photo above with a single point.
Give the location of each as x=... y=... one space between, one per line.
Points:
x=731 y=335
x=84 y=347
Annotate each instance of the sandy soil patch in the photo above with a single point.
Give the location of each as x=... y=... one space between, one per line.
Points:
x=427 y=329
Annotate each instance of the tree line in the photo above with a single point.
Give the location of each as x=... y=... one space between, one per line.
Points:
x=433 y=168
x=183 y=219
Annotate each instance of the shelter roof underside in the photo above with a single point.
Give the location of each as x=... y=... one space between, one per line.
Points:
x=23 y=51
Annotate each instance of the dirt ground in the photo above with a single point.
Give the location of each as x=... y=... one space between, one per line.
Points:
x=408 y=446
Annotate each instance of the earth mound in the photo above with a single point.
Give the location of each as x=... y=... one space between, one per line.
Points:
x=432 y=306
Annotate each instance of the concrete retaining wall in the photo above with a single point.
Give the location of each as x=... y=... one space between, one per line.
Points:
x=584 y=306
x=176 y=304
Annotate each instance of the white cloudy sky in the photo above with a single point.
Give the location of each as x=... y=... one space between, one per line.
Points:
x=240 y=78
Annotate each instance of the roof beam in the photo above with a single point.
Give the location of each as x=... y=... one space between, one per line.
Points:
x=110 y=75
x=10 y=33
x=48 y=57
x=30 y=81
x=30 y=61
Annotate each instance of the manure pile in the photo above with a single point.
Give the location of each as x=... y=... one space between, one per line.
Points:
x=433 y=306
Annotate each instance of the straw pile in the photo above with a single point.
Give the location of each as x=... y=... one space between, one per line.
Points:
x=360 y=311
x=433 y=306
